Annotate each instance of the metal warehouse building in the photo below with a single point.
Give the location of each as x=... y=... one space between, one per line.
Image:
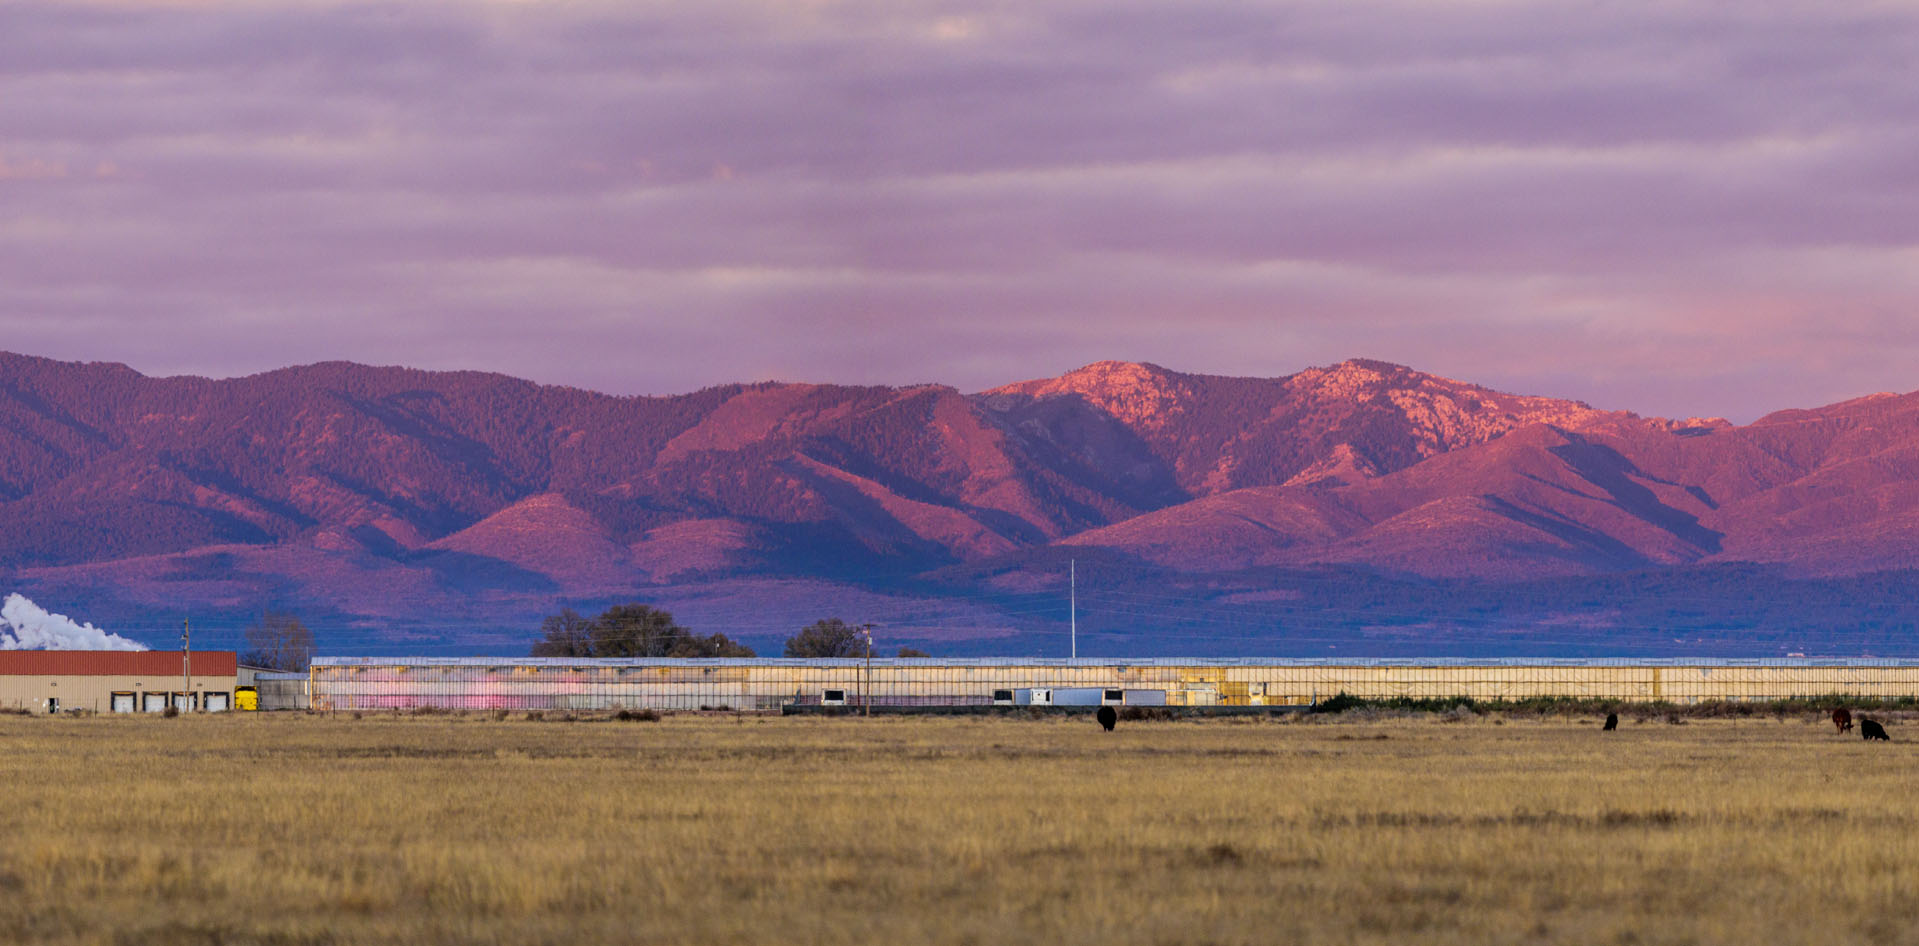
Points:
x=347 y=683
x=117 y=681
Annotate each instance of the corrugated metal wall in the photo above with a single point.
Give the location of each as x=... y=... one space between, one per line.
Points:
x=562 y=684
x=282 y=691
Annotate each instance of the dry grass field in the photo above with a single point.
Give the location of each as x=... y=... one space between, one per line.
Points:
x=1364 y=828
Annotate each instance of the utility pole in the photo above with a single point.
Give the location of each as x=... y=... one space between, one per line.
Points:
x=867 y=697
x=1072 y=583
x=186 y=656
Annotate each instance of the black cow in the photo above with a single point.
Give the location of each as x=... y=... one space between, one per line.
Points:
x=1107 y=717
x=1872 y=730
x=1612 y=722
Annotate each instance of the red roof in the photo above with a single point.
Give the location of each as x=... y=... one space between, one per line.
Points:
x=115 y=663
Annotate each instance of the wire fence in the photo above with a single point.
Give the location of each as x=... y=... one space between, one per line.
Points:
x=767 y=685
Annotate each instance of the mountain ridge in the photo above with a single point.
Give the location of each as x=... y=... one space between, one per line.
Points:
x=315 y=483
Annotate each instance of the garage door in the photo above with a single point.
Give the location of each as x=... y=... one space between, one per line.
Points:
x=153 y=702
x=215 y=702
x=123 y=702
x=184 y=701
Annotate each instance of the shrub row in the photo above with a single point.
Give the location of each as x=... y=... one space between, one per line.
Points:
x=1572 y=706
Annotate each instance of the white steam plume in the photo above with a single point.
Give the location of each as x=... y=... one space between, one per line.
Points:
x=27 y=626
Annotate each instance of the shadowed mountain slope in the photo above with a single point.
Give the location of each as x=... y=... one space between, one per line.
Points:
x=1349 y=422
x=398 y=490
x=98 y=462
x=1828 y=491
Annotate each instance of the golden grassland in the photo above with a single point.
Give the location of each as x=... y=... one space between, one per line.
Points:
x=1360 y=828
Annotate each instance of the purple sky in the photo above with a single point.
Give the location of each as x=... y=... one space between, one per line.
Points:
x=1676 y=209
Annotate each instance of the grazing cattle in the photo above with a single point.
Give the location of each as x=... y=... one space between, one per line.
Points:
x=1871 y=730
x=1612 y=722
x=1107 y=717
x=1841 y=720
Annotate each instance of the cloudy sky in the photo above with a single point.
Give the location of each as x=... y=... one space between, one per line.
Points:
x=1676 y=209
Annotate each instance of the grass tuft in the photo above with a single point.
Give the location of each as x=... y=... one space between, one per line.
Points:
x=1369 y=828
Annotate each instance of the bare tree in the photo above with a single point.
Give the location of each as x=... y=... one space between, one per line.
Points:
x=628 y=630
x=829 y=638
x=278 y=641
x=566 y=634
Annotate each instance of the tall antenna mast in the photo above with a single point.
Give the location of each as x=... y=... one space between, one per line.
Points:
x=1072 y=584
x=186 y=658
x=866 y=697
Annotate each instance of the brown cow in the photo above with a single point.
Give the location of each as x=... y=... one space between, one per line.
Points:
x=1842 y=720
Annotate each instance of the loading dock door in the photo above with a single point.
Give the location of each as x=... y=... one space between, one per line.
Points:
x=153 y=702
x=122 y=703
x=215 y=702
x=184 y=701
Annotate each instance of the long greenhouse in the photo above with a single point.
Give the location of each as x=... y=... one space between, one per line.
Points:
x=467 y=683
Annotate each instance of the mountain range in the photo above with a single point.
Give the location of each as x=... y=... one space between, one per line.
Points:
x=406 y=508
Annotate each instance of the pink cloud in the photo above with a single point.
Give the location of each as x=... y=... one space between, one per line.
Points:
x=1683 y=209
x=30 y=169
